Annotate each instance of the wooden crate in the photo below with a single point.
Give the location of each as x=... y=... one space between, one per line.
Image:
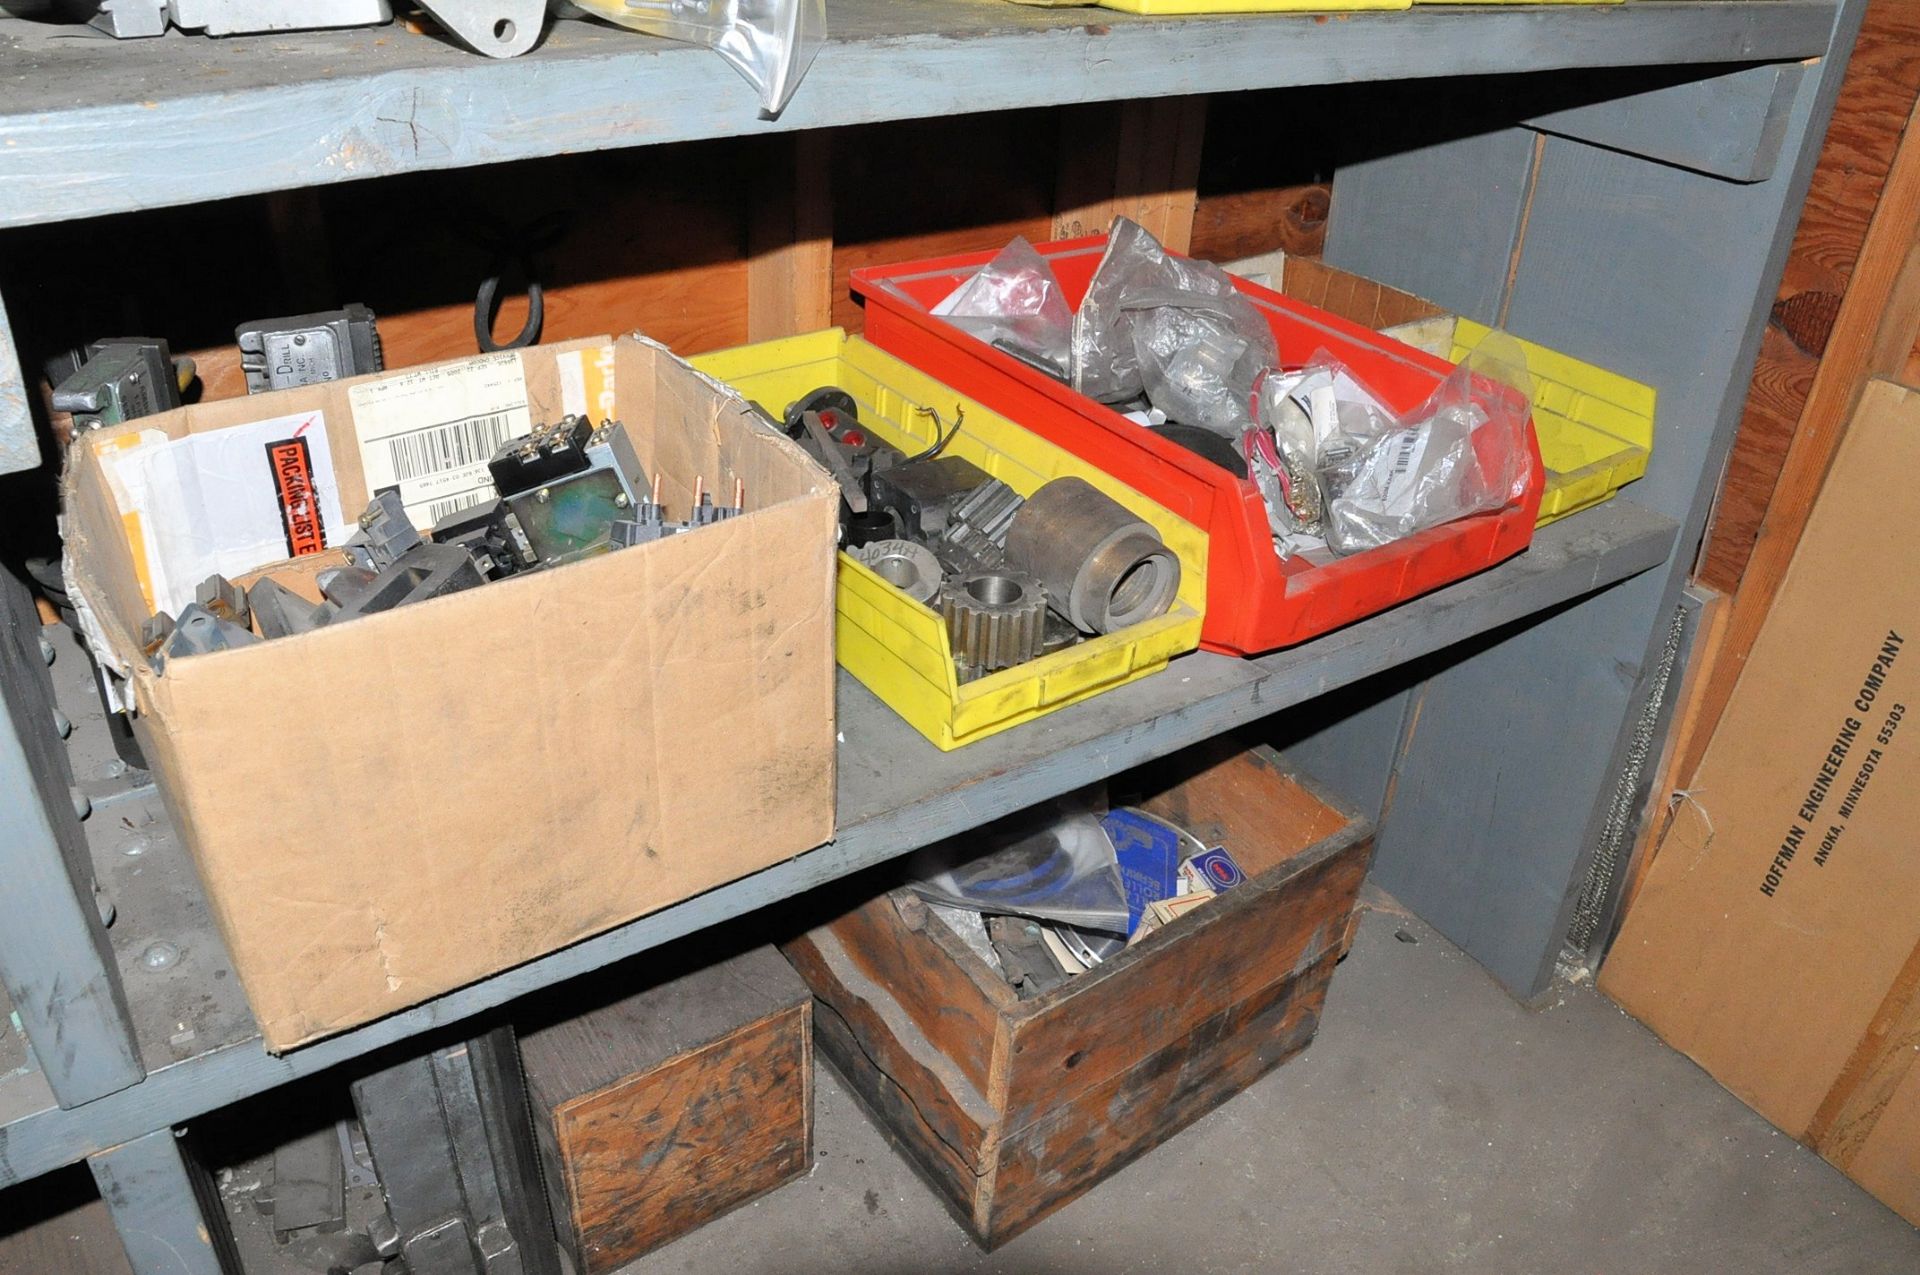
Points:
x=663 y=1110
x=1011 y=1108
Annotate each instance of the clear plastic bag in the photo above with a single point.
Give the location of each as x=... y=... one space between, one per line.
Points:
x=1199 y=357
x=1058 y=868
x=1135 y=283
x=1382 y=477
x=1014 y=302
x=1289 y=487
x=1464 y=451
x=771 y=43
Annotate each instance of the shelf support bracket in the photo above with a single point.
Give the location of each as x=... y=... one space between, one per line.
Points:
x=55 y=960
x=19 y=445
x=166 y=1208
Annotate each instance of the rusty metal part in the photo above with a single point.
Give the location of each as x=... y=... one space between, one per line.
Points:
x=1103 y=567
x=908 y=567
x=977 y=527
x=996 y=619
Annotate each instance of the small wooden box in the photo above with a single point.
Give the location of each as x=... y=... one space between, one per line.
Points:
x=661 y=1111
x=1011 y=1108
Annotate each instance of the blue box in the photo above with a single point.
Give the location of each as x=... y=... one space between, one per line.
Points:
x=1149 y=855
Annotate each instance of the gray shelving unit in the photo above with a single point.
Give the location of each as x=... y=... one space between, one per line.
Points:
x=1634 y=209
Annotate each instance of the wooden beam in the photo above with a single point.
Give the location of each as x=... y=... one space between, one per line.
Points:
x=1357 y=300
x=790 y=240
x=1137 y=159
x=1248 y=223
x=1873 y=335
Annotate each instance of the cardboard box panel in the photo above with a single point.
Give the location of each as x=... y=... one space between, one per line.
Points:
x=1774 y=941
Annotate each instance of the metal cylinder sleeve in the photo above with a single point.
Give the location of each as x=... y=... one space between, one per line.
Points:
x=996 y=619
x=1104 y=567
x=908 y=567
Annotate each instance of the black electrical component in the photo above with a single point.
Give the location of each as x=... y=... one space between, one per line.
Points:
x=1207 y=445
x=534 y=460
x=922 y=493
x=489 y=532
x=830 y=401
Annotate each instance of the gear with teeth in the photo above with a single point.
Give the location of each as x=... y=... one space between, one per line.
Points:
x=996 y=619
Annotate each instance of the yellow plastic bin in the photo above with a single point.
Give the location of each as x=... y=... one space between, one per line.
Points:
x=1595 y=426
x=1190 y=8
x=897 y=647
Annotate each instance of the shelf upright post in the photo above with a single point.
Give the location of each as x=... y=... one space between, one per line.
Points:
x=54 y=956
x=166 y=1207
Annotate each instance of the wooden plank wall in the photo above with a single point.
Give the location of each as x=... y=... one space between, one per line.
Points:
x=1875 y=99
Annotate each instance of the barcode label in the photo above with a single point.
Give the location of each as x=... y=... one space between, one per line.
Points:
x=438 y=509
x=1406 y=448
x=1400 y=485
x=442 y=447
x=431 y=431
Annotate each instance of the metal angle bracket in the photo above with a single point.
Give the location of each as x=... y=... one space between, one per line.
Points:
x=55 y=960
x=165 y=1207
x=453 y=1143
x=497 y=28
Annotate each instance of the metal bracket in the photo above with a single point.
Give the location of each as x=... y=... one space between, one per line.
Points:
x=497 y=28
x=453 y=1143
x=19 y=445
x=166 y=1208
x=54 y=956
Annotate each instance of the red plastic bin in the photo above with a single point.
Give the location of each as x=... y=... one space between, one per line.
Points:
x=1255 y=602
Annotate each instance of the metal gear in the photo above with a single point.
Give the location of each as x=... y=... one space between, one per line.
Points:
x=976 y=534
x=996 y=619
x=908 y=567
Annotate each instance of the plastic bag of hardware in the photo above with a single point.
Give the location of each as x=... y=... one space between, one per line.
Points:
x=1382 y=477
x=1290 y=489
x=1058 y=865
x=771 y=43
x=1200 y=356
x=1014 y=303
x=1136 y=277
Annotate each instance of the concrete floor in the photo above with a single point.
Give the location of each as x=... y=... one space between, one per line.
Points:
x=1435 y=1125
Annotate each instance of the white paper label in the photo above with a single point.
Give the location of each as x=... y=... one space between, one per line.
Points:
x=1403 y=464
x=430 y=432
x=212 y=503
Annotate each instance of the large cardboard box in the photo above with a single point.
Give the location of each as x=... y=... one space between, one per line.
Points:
x=1776 y=940
x=388 y=809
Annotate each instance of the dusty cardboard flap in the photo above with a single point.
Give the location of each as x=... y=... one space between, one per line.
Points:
x=386 y=810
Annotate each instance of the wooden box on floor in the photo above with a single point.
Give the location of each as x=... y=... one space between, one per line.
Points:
x=661 y=1111
x=1012 y=1108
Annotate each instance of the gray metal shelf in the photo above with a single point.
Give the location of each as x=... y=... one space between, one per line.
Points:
x=1644 y=230
x=896 y=792
x=93 y=125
